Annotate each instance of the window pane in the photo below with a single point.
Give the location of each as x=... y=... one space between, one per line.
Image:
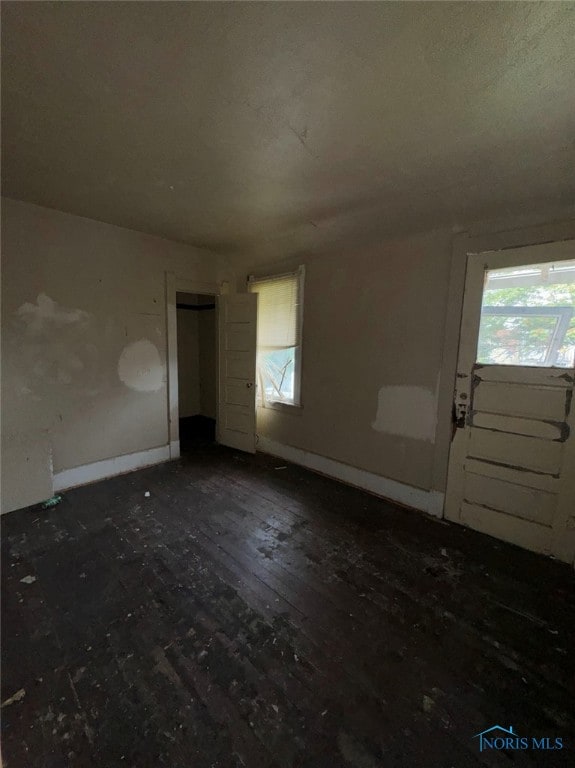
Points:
x=276 y=374
x=528 y=316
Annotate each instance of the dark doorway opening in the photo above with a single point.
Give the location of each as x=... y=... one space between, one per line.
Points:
x=197 y=380
x=196 y=432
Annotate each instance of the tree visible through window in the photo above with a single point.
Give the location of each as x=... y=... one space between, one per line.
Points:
x=528 y=316
x=279 y=337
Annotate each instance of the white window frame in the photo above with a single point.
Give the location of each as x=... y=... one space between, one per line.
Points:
x=280 y=404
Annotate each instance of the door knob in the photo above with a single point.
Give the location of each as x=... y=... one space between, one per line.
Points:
x=249 y=385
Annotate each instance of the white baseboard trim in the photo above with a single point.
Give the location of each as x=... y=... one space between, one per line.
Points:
x=89 y=473
x=417 y=498
x=436 y=502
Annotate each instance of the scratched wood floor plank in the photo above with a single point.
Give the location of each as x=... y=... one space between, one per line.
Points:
x=242 y=615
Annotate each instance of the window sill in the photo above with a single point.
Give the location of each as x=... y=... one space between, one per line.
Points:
x=291 y=408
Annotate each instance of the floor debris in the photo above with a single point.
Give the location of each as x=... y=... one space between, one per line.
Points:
x=18 y=696
x=147 y=494
x=78 y=674
x=28 y=580
x=280 y=467
x=523 y=614
x=428 y=703
x=52 y=502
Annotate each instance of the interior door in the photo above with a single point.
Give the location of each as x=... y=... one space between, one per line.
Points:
x=512 y=459
x=237 y=326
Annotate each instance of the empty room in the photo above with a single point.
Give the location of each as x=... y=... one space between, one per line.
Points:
x=287 y=370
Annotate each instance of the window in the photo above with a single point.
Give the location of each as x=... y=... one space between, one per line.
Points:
x=280 y=305
x=528 y=316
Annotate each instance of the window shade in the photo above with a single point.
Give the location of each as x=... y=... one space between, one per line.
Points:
x=278 y=312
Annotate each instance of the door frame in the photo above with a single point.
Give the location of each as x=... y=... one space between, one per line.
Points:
x=174 y=284
x=464 y=245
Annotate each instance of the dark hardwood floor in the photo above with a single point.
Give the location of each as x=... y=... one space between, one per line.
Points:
x=249 y=613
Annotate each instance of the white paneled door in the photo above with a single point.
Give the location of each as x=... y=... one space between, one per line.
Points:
x=237 y=324
x=512 y=459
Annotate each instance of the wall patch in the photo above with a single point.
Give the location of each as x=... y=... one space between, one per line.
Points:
x=140 y=367
x=406 y=411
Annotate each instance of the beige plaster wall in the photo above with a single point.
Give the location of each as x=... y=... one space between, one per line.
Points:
x=83 y=342
x=84 y=345
x=372 y=348
x=380 y=339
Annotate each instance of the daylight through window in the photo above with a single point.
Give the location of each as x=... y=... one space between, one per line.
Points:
x=279 y=337
x=528 y=316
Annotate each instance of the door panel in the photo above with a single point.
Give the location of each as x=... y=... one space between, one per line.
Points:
x=512 y=460
x=508 y=528
x=239 y=336
x=517 y=425
x=237 y=318
x=520 y=374
x=239 y=422
x=518 y=400
x=515 y=451
x=238 y=394
x=239 y=367
x=511 y=498
x=520 y=477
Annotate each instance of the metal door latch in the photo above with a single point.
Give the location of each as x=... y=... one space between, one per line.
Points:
x=460 y=415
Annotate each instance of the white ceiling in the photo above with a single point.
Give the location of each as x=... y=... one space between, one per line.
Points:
x=285 y=127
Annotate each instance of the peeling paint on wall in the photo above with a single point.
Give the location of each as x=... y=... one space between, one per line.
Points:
x=52 y=346
x=140 y=367
x=406 y=411
x=47 y=314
